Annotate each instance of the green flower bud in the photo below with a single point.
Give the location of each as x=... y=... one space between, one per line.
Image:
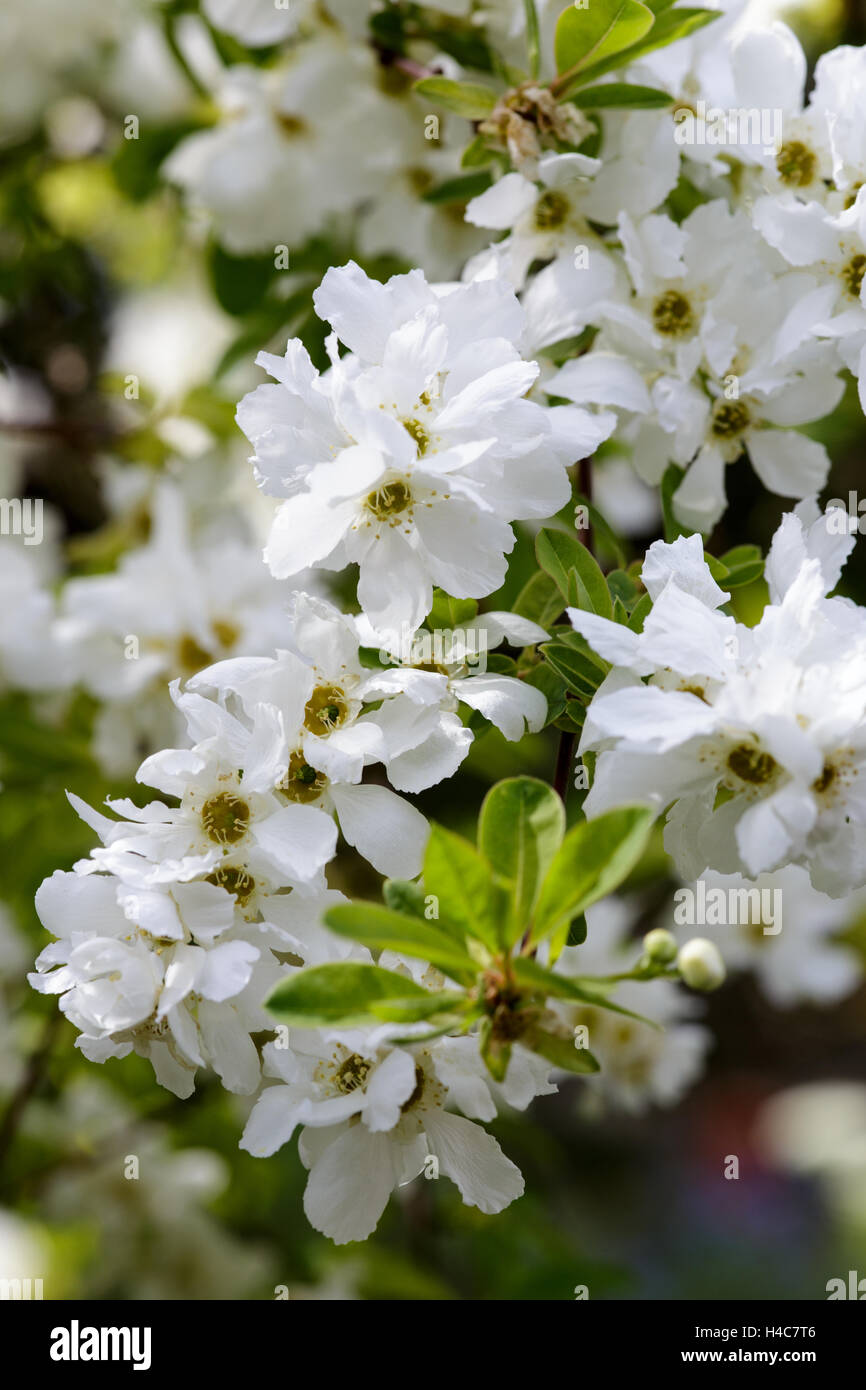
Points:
x=660 y=946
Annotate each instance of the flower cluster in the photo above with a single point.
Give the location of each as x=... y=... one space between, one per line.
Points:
x=412 y=454
x=676 y=286
x=736 y=729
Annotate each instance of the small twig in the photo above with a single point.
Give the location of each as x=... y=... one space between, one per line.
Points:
x=33 y=1073
x=77 y=434
x=564 y=756
x=169 y=29
x=533 y=37
x=408 y=65
x=584 y=485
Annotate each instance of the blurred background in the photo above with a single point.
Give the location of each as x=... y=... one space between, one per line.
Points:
x=134 y=295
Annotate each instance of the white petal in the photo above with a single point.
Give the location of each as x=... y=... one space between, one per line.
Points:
x=512 y=705
x=788 y=463
x=349 y=1185
x=472 y=1159
x=297 y=841
x=383 y=828
x=391 y=1084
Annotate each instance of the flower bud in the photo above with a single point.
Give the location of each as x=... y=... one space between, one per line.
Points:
x=660 y=946
x=700 y=964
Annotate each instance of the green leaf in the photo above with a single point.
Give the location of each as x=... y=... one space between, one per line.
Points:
x=460 y=189
x=744 y=565
x=740 y=555
x=520 y=828
x=573 y=717
x=670 y=24
x=381 y=929
x=448 y=612
x=136 y=163
x=347 y=993
x=603 y=532
x=462 y=881
x=561 y=1052
x=239 y=282
x=594 y=858
x=469 y=99
x=622 y=587
x=620 y=612
x=639 y=613
x=402 y=896
x=530 y=975
x=552 y=687
x=577 y=931
x=621 y=94
x=744 y=574
x=477 y=154
x=495 y=1052
x=683 y=199
x=580 y=672
x=575 y=571
x=455 y=1023
x=594 y=32
x=500 y=665
x=539 y=600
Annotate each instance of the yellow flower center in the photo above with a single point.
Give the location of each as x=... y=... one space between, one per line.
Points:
x=234 y=880
x=852 y=275
x=226 y=818
x=391 y=499
x=751 y=765
x=325 y=710
x=302 y=782
x=673 y=314
x=730 y=418
x=551 y=211
x=795 y=164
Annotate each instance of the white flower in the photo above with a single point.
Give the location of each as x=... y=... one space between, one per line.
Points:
x=321 y=745
x=33 y=655
x=256 y=23
x=231 y=814
x=411 y=455
x=426 y=741
x=790 y=947
x=675 y=315
x=762 y=373
x=374 y=1119
x=641 y=1065
x=637 y=170
x=837 y=93
x=401 y=220
x=543 y=222
x=773 y=716
x=283 y=129
x=171 y=607
x=834 y=249
x=146 y=972
x=769 y=72
x=184 y=603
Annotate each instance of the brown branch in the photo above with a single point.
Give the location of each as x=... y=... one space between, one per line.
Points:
x=33 y=1074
